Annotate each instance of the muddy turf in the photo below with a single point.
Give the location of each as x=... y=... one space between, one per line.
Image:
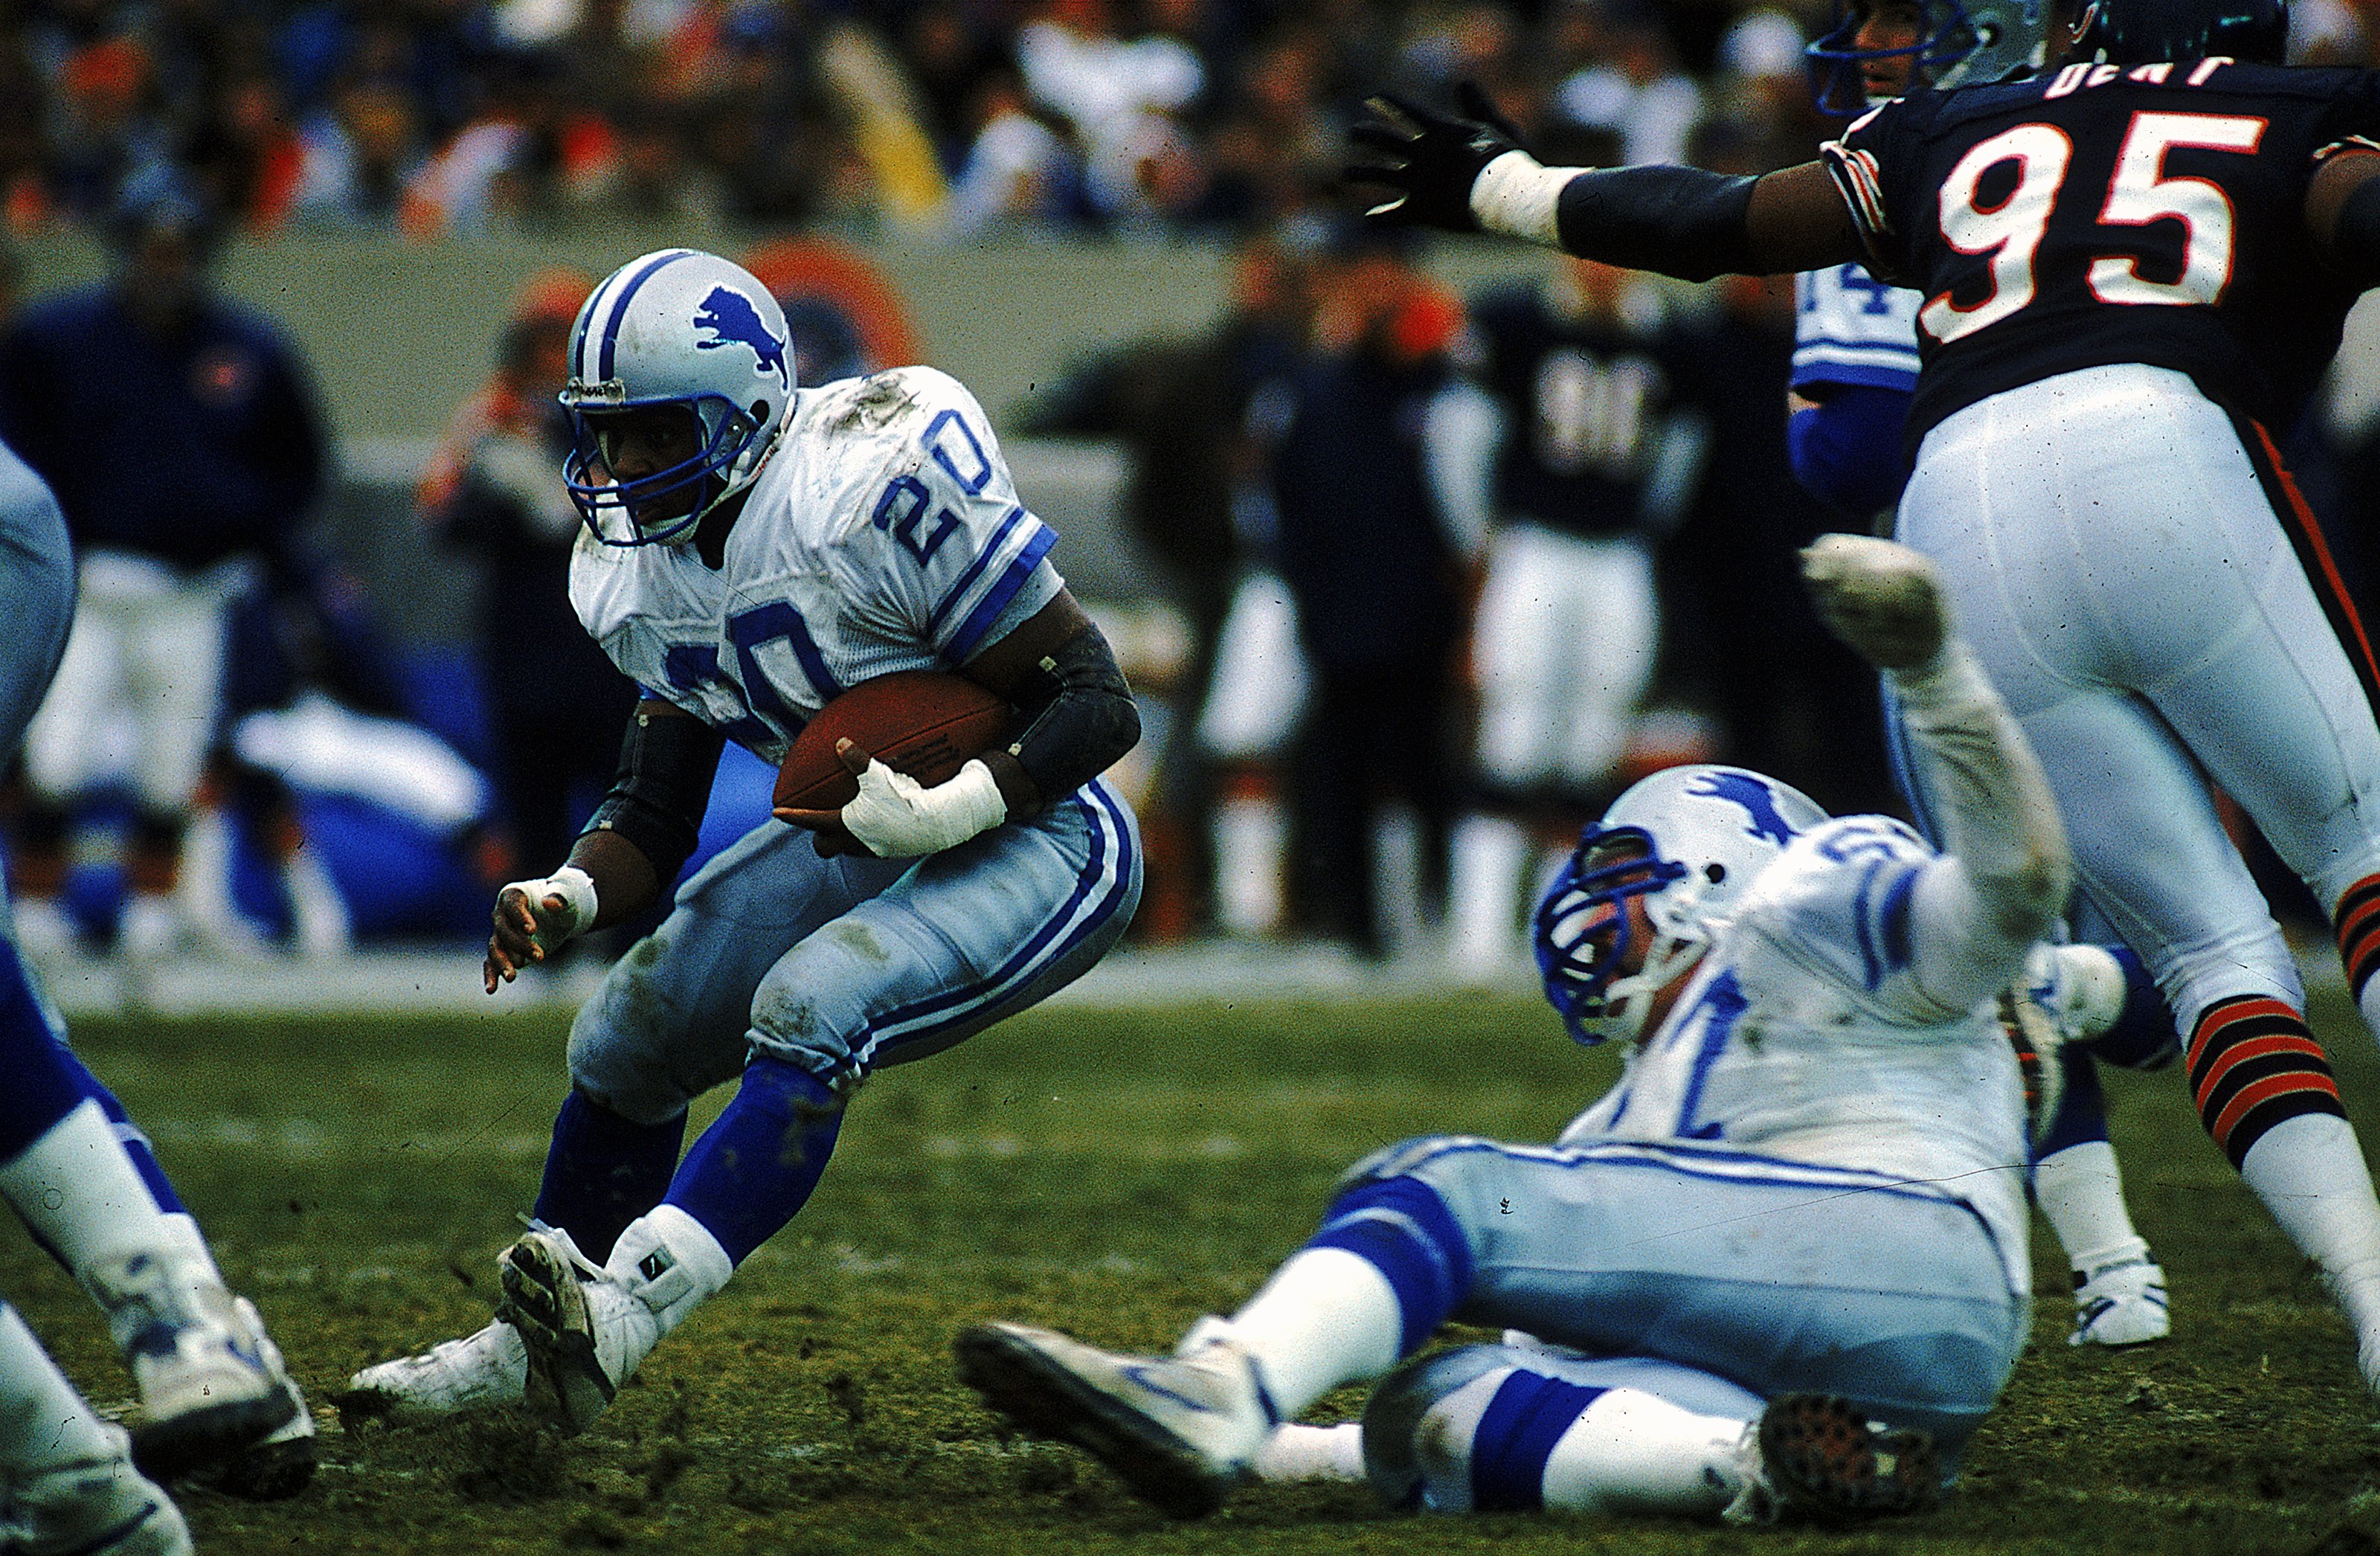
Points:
x=1115 y=1174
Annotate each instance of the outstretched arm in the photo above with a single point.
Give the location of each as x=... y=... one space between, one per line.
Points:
x=1468 y=175
x=2006 y=868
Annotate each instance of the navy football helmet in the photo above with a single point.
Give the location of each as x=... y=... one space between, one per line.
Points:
x=1959 y=43
x=1687 y=840
x=691 y=334
x=2145 y=32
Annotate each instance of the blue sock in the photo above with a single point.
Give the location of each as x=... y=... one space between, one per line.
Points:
x=2081 y=1113
x=756 y=1166
x=1516 y=1437
x=44 y=1081
x=2142 y=1036
x=603 y=1170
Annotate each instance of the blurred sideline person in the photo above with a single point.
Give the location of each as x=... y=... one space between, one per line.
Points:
x=214 y=1393
x=753 y=549
x=557 y=702
x=2094 y=476
x=182 y=441
x=1855 y=365
x=1780 y=1269
x=1595 y=456
x=1373 y=559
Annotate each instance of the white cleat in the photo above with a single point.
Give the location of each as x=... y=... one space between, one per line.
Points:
x=211 y=1384
x=1815 y=1458
x=90 y=1507
x=483 y=1371
x=1182 y=1431
x=586 y=1334
x=279 y=1464
x=2120 y=1305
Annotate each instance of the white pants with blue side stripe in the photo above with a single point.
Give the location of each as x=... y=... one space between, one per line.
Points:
x=844 y=965
x=1774 y=1275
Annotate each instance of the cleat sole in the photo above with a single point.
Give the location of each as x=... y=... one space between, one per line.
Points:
x=1047 y=1400
x=1828 y=1463
x=173 y=1448
x=566 y=1385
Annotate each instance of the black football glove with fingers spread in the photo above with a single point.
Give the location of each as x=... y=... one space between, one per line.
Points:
x=1429 y=160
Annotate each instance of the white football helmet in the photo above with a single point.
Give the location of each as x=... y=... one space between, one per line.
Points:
x=1687 y=840
x=677 y=327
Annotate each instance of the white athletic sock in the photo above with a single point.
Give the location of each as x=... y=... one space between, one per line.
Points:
x=2309 y=1172
x=1632 y=1452
x=1326 y=1318
x=1483 y=893
x=670 y=1261
x=1296 y=1452
x=2080 y=1192
x=1251 y=838
x=77 y=1188
x=1397 y=907
x=43 y=1422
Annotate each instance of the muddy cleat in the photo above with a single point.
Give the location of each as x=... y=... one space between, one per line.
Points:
x=1815 y=1458
x=583 y=1330
x=1180 y=1431
x=481 y=1371
x=280 y=1463
x=211 y=1382
x=2121 y=1304
x=90 y=1507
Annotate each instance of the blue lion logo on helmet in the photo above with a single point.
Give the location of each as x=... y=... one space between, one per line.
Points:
x=1758 y=800
x=731 y=315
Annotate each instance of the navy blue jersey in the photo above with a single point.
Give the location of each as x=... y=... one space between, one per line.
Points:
x=1596 y=443
x=2151 y=214
x=189 y=449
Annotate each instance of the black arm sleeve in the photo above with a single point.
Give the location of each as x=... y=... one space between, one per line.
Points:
x=2357 y=240
x=1078 y=716
x=664 y=786
x=1676 y=221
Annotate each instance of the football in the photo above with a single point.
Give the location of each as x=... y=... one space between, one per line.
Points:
x=924 y=722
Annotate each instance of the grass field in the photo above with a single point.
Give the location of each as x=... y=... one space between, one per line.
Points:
x=1117 y=1174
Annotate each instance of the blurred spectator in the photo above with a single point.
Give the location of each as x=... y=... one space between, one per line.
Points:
x=1630 y=85
x=494 y=488
x=1376 y=579
x=1595 y=451
x=1122 y=96
x=182 y=441
x=1180 y=406
x=1020 y=168
x=356 y=154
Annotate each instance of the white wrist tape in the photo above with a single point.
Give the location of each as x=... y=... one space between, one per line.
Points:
x=899 y=817
x=1517 y=194
x=577 y=890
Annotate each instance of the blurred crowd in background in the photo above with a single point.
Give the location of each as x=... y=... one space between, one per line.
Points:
x=956 y=116
x=1440 y=573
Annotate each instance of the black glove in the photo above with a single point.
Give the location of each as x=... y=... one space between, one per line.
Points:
x=1432 y=158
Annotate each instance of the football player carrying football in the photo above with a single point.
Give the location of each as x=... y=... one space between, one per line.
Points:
x=2132 y=265
x=1799 y=1211
x=752 y=549
x=1856 y=361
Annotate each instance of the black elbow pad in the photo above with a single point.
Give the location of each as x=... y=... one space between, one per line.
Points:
x=1675 y=221
x=2357 y=240
x=1079 y=717
x=658 y=797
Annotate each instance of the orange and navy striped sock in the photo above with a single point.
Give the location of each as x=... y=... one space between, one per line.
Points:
x=2253 y=1062
x=2358 y=918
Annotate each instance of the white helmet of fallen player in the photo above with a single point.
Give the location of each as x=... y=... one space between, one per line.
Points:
x=1687 y=841
x=682 y=351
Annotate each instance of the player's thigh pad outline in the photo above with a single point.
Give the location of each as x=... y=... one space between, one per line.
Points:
x=1563 y=646
x=1776 y=1275
x=2136 y=596
x=843 y=965
x=1422 y=1436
